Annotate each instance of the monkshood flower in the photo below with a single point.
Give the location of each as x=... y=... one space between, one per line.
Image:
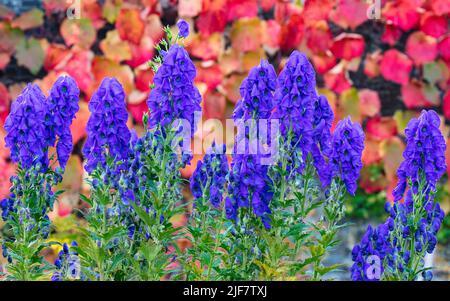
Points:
x=414 y=223
x=249 y=186
x=209 y=177
x=322 y=121
x=294 y=99
x=67 y=264
x=347 y=145
x=183 y=28
x=107 y=131
x=174 y=96
x=26 y=134
x=257 y=93
x=62 y=104
x=424 y=156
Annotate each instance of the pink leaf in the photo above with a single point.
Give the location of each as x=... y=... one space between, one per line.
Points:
x=348 y=46
x=403 y=14
x=350 y=13
x=413 y=95
x=432 y=25
x=421 y=48
x=369 y=102
x=391 y=34
x=444 y=48
x=396 y=66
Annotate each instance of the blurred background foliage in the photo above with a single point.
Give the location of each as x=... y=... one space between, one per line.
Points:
x=380 y=71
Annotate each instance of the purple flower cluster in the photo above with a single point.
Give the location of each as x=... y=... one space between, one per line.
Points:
x=174 y=95
x=424 y=153
x=62 y=105
x=257 y=93
x=183 y=28
x=26 y=133
x=108 y=134
x=412 y=226
x=323 y=117
x=249 y=185
x=210 y=175
x=67 y=264
x=347 y=145
x=392 y=242
x=295 y=95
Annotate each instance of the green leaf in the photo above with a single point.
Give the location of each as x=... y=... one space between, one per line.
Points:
x=29 y=53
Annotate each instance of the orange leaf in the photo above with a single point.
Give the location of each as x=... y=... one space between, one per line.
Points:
x=30 y=19
x=79 y=32
x=130 y=25
x=369 y=102
x=114 y=48
x=246 y=34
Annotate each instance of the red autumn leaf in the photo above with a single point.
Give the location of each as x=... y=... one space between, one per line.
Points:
x=402 y=14
x=318 y=37
x=432 y=25
x=381 y=128
x=372 y=64
x=5 y=100
x=154 y=28
x=396 y=66
x=444 y=48
x=440 y=7
x=246 y=34
x=350 y=13
x=323 y=62
x=80 y=32
x=292 y=32
x=5 y=58
x=371 y=153
x=369 y=102
x=130 y=25
x=138 y=110
x=205 y=47
x=446 y=105
x=213 y=17
x=56 y=57
x=316 y=10
x=143 y=79
x=242 y=9
x=92 y=10
x=210 y=74
x=348 y=46
x=413 y=95
x=214 y=105
x=6 y=171
x=78 y=126
x=271 y=38
x=391 y=34
x=337 y=80
x=421 y=48
x=79 y=67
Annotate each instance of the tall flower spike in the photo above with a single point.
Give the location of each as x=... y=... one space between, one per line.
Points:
x=174 y=95
x=424 y=153
x=107 y=130
x=249 y=185
x=294 y=100
x=26 y=133
x=62 y=104
x=257 y=93
x=322 y=121
x=210 y=175
x=345 y=159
